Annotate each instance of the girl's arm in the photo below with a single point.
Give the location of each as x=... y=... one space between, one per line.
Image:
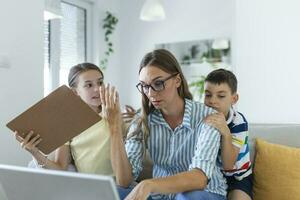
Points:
x=62 y=157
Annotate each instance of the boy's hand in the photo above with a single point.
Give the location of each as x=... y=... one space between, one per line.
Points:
x=217 y=120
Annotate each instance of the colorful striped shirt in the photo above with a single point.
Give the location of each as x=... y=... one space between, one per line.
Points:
x=238 y=126
x=191 y=145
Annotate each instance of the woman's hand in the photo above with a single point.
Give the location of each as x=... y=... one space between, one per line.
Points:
x=29 y=142
x=111 y=107
x=140 y=192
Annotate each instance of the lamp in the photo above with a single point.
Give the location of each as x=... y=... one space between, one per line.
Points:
x=152 y=10
x=52 y=9
x=220 y=44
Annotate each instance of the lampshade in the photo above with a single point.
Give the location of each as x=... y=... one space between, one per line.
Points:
x=152 y=10
x=220 y=44
x=52 y=9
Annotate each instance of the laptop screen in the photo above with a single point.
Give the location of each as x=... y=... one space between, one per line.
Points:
x=35 y=184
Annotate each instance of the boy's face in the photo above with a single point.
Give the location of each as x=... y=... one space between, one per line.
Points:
x=219 y=97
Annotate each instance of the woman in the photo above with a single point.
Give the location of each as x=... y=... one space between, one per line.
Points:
x=89 y=151
x=182 y=147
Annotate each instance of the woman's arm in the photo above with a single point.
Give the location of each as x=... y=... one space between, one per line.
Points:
x=194 y=179
x=111 y=112
x=229 y=152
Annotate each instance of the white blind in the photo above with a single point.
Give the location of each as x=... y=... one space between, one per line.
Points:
x=72 y=40
x=46 y=57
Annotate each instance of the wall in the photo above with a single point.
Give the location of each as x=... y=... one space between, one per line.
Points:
x=185 y=21
x=21 y=84
x=267 y=52
x=112 y=72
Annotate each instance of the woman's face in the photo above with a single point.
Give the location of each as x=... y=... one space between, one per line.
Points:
x=88 y=84
x=155 y=77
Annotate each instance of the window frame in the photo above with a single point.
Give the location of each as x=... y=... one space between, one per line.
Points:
x=54 y=42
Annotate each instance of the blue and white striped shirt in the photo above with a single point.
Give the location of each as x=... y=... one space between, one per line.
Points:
x=193 y=144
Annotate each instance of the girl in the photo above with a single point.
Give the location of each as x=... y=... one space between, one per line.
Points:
x=89 y=151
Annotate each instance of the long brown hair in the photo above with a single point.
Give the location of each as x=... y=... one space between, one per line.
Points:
x=167 y=62
x=78 y=69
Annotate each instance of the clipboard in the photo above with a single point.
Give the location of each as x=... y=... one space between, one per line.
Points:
x=58 y=118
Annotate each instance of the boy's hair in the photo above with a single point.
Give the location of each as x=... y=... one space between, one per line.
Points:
x=220 y=76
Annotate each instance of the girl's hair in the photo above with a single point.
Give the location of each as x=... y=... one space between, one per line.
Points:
x=167 y=62
x=76 y=70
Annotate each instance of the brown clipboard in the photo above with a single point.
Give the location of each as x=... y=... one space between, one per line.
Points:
x=57 y=118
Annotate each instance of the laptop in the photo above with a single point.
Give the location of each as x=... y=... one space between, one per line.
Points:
x=40 y=184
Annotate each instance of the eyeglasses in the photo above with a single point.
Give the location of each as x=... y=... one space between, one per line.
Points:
x=157 y=85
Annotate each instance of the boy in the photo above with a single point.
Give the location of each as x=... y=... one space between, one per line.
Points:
x=221 y=94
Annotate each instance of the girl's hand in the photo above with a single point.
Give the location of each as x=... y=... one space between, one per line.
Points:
x=218 y=121
x=128 y=114
x=29 y=142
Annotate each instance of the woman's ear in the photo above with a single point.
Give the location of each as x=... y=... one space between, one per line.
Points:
x=178 y=80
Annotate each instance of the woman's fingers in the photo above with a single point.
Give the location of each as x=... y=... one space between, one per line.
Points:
x=107 y=93
x=102 y=96
x=112 y=96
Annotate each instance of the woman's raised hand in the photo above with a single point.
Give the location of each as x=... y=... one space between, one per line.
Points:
x=110 y=105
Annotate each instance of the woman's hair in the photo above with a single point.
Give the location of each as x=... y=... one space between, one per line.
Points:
x=167 y=62
x=76 y=70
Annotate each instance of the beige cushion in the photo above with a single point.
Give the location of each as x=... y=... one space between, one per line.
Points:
x=276 y=172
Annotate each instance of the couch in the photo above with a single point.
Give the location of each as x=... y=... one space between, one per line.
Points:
x=266 y=184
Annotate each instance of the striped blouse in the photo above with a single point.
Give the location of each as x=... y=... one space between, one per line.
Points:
x=193 y=144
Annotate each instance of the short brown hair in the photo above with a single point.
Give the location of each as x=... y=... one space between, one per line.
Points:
x=223 y=76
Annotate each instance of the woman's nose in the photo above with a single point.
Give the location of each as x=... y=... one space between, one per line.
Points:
x=151 y=92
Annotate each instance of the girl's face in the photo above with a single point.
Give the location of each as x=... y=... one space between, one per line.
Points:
x=88 y=84
x=155 y=77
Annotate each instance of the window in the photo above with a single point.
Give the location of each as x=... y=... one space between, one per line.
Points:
x=67 y=42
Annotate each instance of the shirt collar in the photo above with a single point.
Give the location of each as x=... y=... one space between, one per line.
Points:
x=231 y=114
x=156 y=116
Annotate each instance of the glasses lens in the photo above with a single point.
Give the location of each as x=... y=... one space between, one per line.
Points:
x=158 y=85
x=139 y=87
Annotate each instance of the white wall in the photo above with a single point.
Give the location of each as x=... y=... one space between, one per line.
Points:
x=267 y=66
x=185 y=21
x=21 y=41
x=112 y=72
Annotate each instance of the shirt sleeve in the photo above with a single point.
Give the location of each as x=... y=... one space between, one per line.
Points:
x=134 y=149
x=239 y=135
x=206 y=151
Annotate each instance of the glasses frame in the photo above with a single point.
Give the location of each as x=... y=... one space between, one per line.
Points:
x=140 y=86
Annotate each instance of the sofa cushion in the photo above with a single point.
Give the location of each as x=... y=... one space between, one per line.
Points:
x=276 y=171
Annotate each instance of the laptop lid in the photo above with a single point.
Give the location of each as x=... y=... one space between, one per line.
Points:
x=35 y=184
